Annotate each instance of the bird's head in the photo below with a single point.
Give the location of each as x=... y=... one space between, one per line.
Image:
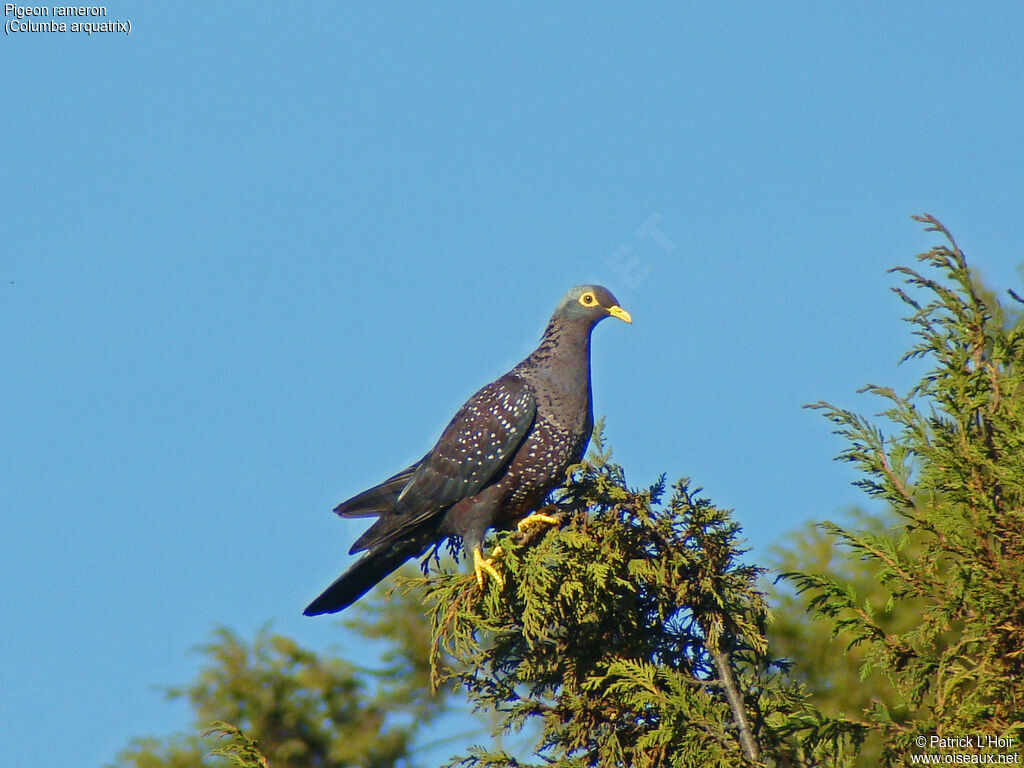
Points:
x=590 y=304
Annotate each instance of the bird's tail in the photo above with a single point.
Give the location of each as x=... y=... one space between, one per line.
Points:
x=379 y=499
x=367 y=571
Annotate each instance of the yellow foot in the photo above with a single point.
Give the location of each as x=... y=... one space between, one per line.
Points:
x=480 y=565
x=535 y=519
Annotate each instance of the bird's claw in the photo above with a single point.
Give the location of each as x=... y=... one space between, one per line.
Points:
x=480 y=565
x=536 y=519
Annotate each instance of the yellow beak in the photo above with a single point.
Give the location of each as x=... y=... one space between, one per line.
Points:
x=620 y=313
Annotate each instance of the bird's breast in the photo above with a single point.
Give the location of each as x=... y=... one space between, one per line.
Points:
x=540 y=464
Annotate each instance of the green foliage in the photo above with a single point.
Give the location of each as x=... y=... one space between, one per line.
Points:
x=949 y=460
x=240 y=749
x=823 y=662
x=277 y=701
x=631 y=635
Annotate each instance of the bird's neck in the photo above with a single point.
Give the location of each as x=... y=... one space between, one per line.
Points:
x=562 y=356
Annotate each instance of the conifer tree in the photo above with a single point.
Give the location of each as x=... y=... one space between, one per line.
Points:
x=273 y=700
x=948 y=457
x=631 y=635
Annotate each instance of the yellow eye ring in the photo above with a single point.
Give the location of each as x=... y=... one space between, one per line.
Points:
x=588 y=299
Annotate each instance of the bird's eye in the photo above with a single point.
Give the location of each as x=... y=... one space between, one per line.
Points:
x=588 y=299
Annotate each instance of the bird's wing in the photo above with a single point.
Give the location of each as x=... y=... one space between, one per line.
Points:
x=475 y=446
x=379 y=499
x=477 y=443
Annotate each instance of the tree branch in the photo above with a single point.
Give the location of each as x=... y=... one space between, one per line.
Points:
x=739 y=713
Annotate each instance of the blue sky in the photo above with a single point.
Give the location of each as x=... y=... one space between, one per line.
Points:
x=256 y=254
